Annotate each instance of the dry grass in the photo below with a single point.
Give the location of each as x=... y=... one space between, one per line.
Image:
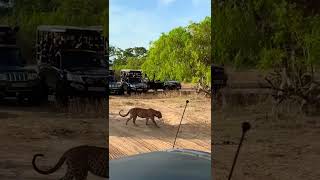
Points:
x=84 y=106
x=26 y=130
x=277 y=147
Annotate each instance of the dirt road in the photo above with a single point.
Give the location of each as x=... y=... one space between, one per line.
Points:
x=129 y=140
x=26 y=131
x=287 y=148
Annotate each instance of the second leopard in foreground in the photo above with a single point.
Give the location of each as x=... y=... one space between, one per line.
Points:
x=143 y=113
x=80 y=160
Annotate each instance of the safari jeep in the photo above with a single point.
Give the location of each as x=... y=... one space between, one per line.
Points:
x=72 y=61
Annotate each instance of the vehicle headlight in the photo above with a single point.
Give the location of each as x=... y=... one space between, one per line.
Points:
x=32 y=76
x=3 y=77
x=75 y=78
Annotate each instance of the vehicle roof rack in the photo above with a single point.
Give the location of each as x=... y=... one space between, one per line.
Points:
x=58 y=28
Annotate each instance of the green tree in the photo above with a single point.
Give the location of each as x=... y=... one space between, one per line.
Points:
x=130 y=58
x=182 y=54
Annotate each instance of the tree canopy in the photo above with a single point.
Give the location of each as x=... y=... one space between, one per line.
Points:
x=181 y=54
x=266 y=33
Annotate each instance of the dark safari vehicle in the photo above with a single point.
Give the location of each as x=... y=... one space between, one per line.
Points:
x=219 y=78
x=16 y=79
x=133 y=81
x=115 y=87
x=72 y=61
x=172 y=85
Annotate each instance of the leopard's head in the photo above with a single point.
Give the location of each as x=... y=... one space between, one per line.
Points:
x=158 y=114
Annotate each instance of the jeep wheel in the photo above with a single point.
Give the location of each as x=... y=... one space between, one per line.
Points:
x=62 y=99
x=121 y=92
x=128 y=91
x=20 y=100
x=40 y=97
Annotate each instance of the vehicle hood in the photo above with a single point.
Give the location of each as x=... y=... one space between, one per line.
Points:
x=137 y=85
x=114 y=84
x=160 y=165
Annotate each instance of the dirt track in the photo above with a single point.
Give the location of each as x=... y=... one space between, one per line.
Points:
x=129 y=140
x=287 y=148
x=26 y=131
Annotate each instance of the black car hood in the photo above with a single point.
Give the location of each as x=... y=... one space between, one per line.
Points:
x=142 y=84
x=89 y=71
x=17 y=68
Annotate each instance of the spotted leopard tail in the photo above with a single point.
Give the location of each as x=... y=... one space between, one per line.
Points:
x=55 y=168
x=123 y=115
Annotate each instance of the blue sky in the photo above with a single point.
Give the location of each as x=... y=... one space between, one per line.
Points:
x=137 y=22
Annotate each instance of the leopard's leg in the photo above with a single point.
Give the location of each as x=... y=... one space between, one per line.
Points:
x=128 y=120
x=68 y=176
x=147 y=120
x=134 y=120
x=82 y=174
x=154 y=122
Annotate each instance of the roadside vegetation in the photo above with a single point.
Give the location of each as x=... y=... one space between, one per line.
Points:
x=279 y=37
x=181 y=54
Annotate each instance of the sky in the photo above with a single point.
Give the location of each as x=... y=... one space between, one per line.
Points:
x=138 y=22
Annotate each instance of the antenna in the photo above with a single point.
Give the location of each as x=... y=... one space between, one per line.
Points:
x=245 y=127
x=180 y=124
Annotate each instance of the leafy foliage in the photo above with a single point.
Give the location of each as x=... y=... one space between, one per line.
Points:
x=130 y=58
x=182 y=54
x=266 y=34
x=278 y=35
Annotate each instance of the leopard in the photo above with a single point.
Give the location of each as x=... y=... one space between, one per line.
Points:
x=143 y=113
x=80 y=160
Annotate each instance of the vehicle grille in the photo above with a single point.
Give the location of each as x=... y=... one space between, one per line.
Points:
x=17 y=76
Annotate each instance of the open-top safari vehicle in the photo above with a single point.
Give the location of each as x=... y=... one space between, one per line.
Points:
x=115 y=87
x=133 y=81
x=72 y=61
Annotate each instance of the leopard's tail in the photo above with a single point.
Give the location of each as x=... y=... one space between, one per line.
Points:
x=123 y=115
x=55 y=168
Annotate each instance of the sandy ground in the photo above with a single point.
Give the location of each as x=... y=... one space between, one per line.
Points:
x=129 y=140
x=26 y=131
x=287 y=148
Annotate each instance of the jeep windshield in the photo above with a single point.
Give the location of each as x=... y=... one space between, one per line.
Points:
x=134 y=80
x=82 y=59
x=10 y=57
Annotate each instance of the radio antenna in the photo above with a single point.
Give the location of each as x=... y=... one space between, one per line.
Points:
x=245 y=127
x=180 y=124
